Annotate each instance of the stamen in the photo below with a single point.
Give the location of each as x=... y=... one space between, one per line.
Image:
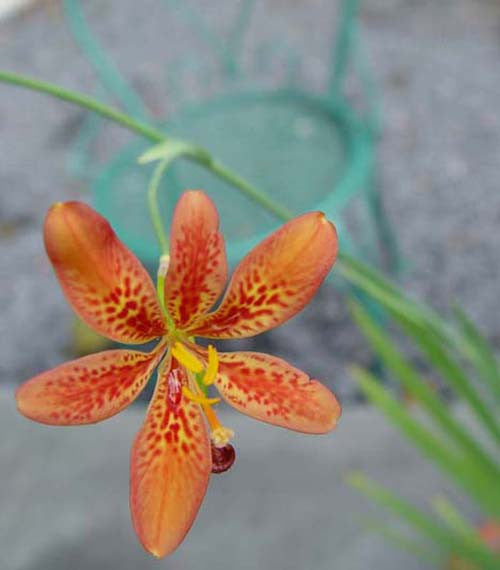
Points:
x=199 y=399
x=212 y=367
x=186 y=358
x=221 y=436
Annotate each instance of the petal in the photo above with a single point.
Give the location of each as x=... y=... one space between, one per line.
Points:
x=170 y=466
x=89 y=389
x=197 y=272
x=269 y=389
x=275 y=280
x=102 y=279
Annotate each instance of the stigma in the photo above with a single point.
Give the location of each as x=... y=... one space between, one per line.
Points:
x=204 y=375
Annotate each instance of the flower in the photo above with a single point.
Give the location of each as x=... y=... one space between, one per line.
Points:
x=175 y=450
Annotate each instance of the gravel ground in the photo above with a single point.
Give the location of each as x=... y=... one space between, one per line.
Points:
x=435 y=64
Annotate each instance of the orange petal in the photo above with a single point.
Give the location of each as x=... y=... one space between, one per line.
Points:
x=102 y=279
x=198 y=269
x=269 y=389
x=275 y=280
x=170 y=466
x=89 y=389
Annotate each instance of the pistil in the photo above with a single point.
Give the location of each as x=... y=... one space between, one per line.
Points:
x=203 y=375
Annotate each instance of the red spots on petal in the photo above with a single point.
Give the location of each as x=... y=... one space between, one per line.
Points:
x=269 y=389
x=99 y=386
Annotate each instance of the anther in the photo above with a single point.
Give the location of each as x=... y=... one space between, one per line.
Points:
x=212 y=367
x=221 y=436
x=199 y=399
x=186 y=358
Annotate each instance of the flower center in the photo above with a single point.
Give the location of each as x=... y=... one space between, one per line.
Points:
x=204 y=376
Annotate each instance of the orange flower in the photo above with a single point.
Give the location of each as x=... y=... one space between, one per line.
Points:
x=175 y=451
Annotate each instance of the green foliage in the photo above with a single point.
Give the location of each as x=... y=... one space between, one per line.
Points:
x=469 y=370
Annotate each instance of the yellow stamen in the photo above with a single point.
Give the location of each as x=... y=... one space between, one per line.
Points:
x=186 y=358
x=199 y=399
x=212 y=367
x=221 y=436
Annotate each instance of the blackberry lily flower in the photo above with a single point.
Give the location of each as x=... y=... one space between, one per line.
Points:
x=181 y=441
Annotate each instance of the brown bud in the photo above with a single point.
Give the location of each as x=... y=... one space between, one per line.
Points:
x=222 y=458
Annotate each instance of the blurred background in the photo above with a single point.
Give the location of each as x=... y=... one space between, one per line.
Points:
x=428 y=96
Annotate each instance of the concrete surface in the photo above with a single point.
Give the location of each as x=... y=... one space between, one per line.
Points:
x=283 y=506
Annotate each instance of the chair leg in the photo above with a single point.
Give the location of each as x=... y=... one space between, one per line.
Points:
x=384 y=232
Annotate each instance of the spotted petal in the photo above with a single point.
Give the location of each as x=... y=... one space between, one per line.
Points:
x=87 y=390
x=198 y=270
x=275 y=280
x=269 y=389
x=102 y=279
x=170 y=466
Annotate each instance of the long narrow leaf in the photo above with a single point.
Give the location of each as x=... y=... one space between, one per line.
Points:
x=403 y=542
x=418 y=388
x=389 y=296
x=477 y=349
x=453 y=518
x=464 y=472
x=457 y=544
x=451 y=371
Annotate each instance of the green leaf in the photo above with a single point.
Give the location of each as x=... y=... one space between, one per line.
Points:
x=464 y=546
x=403 y=542
x=388 y=295
x=420 y=390
x=451 y=371
x=475 y=347
x=453 y=518
x=465 y=472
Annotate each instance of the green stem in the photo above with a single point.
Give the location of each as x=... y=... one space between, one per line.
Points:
x=154 y=210
x=81 y=100
x=281 y=212
x=196 y=154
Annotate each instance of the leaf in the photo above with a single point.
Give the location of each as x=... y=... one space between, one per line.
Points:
x=451 y=371
x=475 y=347
x=466 y=473
x=436 y=409
x=403 y=542
x=453 y=518
x=389 y=296
x=466 y=547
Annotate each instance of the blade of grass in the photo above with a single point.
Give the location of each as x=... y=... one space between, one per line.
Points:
x=476 y=348
x=456 y=543
x=403 y=542
x=451 y=371
x=419 y=389
x=388 y=295
x=465 y=473
x=453 y=518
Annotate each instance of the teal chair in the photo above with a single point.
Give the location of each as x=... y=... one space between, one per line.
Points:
x=308 y=151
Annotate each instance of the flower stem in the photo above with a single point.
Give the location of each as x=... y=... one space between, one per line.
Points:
x=196 y=154
x=154 y=210
x=83 y=101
